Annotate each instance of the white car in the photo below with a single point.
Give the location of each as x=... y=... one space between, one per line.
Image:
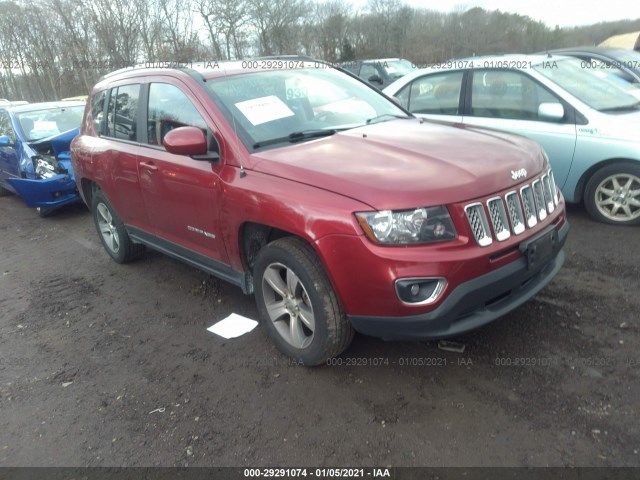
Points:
x=587 y=122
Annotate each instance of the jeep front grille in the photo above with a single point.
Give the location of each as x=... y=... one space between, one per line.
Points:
x=513 y=213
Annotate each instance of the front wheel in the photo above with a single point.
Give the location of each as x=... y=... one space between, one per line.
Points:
x=297 y=303
x=613 y=194
x=111 y=230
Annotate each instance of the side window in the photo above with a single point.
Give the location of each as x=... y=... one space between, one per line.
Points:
x=169 y=108
x=435 y=94
x=97 y=111
x=368 y=70
x=122 y=113
x=6 y=128
x=507 y=94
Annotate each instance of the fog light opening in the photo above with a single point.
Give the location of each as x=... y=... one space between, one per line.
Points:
x=419 y=291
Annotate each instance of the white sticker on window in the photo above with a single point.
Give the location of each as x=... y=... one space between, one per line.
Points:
x=264 y=109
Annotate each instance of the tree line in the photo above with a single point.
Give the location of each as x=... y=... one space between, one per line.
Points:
x=51 y=49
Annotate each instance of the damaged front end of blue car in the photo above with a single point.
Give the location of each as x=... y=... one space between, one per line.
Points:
x=46 y=177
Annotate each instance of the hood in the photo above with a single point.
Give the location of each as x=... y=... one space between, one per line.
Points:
x=56 y=144
x=404 y=164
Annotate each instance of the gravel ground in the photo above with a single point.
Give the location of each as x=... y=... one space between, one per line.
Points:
x=110 y=365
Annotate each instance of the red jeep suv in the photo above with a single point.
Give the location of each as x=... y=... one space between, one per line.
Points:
x=338 y=209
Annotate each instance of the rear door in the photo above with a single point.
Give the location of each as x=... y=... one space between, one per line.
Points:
x=118 y=148
x=509 y=100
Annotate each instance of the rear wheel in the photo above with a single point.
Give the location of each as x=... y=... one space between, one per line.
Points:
x=297 y=303
x=111 y=230
x=613 y=194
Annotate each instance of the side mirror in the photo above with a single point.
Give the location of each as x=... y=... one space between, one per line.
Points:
x=5 y=141
x=185 y=141
x=375 y=79
x=553 y=112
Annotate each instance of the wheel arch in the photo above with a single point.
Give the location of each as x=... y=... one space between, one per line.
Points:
x=586 y=176
x=252 y=237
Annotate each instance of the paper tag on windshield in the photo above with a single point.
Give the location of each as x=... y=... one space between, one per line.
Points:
x=264 y=109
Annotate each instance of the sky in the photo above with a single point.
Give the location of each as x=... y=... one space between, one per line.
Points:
x=564 y=13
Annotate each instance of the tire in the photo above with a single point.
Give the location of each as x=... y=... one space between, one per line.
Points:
x=111 y=231
x=4 y=192
x=612 y=194
x=44 y=212
x=297 y=303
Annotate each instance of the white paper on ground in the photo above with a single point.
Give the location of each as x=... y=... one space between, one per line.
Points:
x=264 y=109
x=233 y=326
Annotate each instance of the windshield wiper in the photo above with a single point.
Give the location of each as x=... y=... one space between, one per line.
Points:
x=622 y=108
x=388 y=116
x=299 y=136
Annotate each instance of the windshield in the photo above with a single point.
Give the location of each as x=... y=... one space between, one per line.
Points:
x=592 y=87
x=398 y=68
x=284 y=106
x=38 y=124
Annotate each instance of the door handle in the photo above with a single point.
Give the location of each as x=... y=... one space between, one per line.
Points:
x=149 y=166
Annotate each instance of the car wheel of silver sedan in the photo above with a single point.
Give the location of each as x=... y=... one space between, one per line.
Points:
x=613 y=194
x=297 y=302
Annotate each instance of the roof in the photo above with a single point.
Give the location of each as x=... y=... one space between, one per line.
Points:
x=214 y=69
x=626 y=40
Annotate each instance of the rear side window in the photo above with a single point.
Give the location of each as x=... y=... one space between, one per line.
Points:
x=123 y=111
x=97 y=111
x=169 y=108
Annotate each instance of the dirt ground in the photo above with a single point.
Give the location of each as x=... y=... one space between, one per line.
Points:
x=110 y=365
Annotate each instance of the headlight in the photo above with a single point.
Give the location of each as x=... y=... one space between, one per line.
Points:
x=43 y=168
x=408 y=227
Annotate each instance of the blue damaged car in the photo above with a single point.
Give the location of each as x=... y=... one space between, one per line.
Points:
x=35 y=161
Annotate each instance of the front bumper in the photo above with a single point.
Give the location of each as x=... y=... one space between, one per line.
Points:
x=473 y=303
x=52 y=192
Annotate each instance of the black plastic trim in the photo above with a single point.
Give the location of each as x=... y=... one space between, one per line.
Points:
x=190 y=257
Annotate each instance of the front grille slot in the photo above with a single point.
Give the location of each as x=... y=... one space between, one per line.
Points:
x=548 y=196
x=554 y=187
x=515 y=212
x=499 y=220
x=478 y=223
x=529 y=206
x=541 y=208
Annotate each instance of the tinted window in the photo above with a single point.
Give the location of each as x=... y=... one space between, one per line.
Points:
x=169 y=108
x=434 y=94
x=6 y=129
x=123 y=110
x=507 y=94
x=97 y=111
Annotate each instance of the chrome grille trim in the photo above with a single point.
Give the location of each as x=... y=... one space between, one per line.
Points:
x=515 y=212
x=538 y=195
x=502 y=216
x=529 y=206
x=499 y=220
x=548 y=196
x=478 y=223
